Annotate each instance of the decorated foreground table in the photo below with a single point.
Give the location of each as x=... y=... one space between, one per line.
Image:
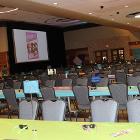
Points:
x=12 y=129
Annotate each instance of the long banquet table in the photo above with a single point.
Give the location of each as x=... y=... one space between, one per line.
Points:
x=67 y=92
x=11 y=129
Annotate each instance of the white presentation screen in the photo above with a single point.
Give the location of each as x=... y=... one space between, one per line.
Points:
x=30 y=46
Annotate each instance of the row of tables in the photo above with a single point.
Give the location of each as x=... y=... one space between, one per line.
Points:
x=17 y=129
x=67 y=92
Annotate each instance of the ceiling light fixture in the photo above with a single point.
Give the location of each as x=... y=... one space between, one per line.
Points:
x=8 y=11
x=134 y=15
x=128 y=23
x=126 y=6
x=137 y=16
x=55 y=3
x=90 y=13
x=112 y=19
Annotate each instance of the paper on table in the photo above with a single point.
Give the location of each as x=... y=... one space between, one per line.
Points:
x=18 y=91
x=122 y=132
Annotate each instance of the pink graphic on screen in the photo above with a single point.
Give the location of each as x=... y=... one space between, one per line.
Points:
x=32 y=45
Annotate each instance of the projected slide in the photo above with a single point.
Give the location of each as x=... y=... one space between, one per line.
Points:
x=30 y=46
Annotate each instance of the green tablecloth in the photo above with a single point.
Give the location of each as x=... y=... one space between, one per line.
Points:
x=44 y=130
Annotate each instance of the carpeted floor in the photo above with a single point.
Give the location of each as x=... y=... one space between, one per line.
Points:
x=122 y=117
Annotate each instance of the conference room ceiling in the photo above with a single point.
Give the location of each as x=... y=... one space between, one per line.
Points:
x=31 y=17
x=106 y=12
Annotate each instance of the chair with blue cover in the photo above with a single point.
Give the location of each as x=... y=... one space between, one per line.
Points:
x=28 y=109
x=103 y=83
x=133 y=110
x=104 y=110
x=53 y=111
x=95 y=79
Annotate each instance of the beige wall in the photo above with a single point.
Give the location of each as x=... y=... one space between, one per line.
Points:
x=100 y=38
x=3 y=40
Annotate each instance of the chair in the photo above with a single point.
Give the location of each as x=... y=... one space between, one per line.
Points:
x=113 y=70
x=48 y=93
x=11 y=101
x=67 y=82
x=119 y=93
x=9 y=83
x=121 y=77
x=72 y=108
x=82 y=96
x=81 y=81
x=2 y=105
x=58 y=82
x=133 y=109
x=53 y=111
x=138 y=85
x=103 y=82
x=74 y=78
x=136 y=73
x=43 y=78
x=104 y=110
x=16 y=84
x=49 y=83
x=133 y=80
x=28 y=109
x=1 y=86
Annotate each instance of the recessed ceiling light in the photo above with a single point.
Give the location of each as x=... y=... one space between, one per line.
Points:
x=112 y=19
x=137 y=16
x=55 y=3
x=128 y=23
x=8 y=11
x=126 y=6
x=90 y=13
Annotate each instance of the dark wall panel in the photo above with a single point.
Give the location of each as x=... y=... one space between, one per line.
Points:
x=56 y=47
